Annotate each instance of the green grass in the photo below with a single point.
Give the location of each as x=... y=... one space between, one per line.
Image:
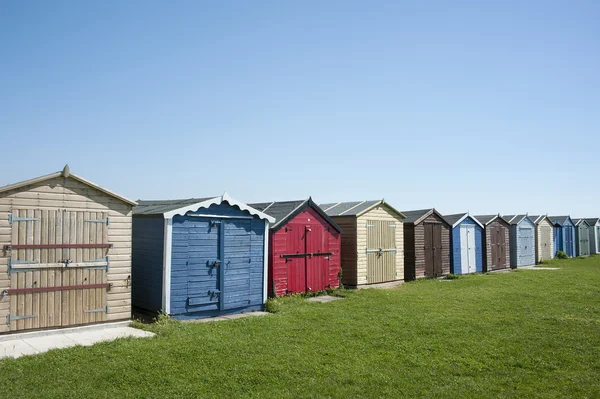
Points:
x=521 y=334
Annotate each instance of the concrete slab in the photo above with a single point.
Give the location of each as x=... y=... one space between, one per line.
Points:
x=324 y=298
x=226 y=317
x=31 y=343
x=381 y=286
x=542 y=268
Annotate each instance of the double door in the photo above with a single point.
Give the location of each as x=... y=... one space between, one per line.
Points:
x=546 y=236
x=381 y=251
x=433 y=249
x=498 y=247
x=467 y=249
x=307 y=257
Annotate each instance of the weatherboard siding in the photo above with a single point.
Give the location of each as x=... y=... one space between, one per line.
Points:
x=539 y=243
x=72 y=196
x=348 y=249
x=414 y=248
x=521 y=256
x=487 y=259
x=147 y=262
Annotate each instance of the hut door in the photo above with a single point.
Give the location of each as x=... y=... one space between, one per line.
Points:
x=467 y=249
x=433 y=249
x=568 y=233
x=381 y=251
x=546 y=241
x=597 y=239
x=317 y=259
x=58 y=261
x=296 y=264
x=205 y=253
x=237 y=263
x=501 y=247
x=525 y=241
x=584 y=239
x=558 y=239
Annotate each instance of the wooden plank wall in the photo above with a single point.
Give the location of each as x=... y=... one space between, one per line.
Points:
x=487 y=259
x=539 y=243
x=73 y=197
x=419 y=247
x=381 y=212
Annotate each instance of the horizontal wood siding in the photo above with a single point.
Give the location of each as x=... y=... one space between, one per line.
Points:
x=409 y=252
x=348 y=250
x=455 y=254
x=382 y=212
x=69 y=196
x=147 y=262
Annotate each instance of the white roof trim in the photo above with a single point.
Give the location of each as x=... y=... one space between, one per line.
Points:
x=217 y=201
x=349 y=209
x=54 y=175
x=331 y=207
x=466 y=215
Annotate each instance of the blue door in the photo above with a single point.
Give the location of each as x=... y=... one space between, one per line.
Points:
x=558 y=239
x=204 y=264
x=238 y=264
x=568 y=241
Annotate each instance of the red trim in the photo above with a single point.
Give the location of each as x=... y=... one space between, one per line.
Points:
x=56 y=246
x=61 y=288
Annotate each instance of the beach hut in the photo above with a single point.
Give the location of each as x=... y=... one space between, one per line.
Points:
x=466 y=255
x=372 y=242
x=544 y=240
x=199 y=257
x=564 y=235
x=496 y=242
x=304 y=247
x=65 y=254
x=522 y=240
x=594 y=235
x=426 y=244
x=582 y=237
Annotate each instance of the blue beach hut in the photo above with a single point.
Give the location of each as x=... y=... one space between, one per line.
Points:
x=467 y=244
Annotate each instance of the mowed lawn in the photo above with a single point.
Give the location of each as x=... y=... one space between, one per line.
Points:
x=519 y=334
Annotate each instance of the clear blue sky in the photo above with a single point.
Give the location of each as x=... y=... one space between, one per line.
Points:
x=466 y=106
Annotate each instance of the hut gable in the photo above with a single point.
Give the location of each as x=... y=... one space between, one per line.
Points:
x=466 y=255
x=522 y=240
x=305 y=247
x=52 y=221
x=212 y=260
x=372 y=242
x=496 y=242
x=544 y=238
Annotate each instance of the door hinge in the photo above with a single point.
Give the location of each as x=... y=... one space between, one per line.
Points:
x=107 y=220
x=10 y=318
x=99 y=310
x=12 y=219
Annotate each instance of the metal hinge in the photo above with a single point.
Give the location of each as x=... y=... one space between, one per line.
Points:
x=107 y=220
x=99 y=310
x=10 y=318
x=12 y=219
x=369 y=225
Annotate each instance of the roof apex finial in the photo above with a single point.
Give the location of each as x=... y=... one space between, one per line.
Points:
x=66 y=171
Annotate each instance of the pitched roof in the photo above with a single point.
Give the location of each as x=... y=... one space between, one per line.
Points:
x=170 y=208
x=487 y=219
x=539 y=218
x=560 y=219
x=283 y=211
x=355 y=208
x=516 y=219
x=455 y=219
x=580 y=221
x=66 y=173
x=592 y=221
x=416 y=217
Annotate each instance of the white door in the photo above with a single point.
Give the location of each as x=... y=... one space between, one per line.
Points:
x=467 y=249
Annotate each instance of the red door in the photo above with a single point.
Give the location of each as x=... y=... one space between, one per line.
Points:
x=317 y=263
x=296 y=263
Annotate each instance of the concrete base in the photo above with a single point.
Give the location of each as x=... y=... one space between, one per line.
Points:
x=323 y=298
x=34 y=342
x=383 y=286
x=227 y=317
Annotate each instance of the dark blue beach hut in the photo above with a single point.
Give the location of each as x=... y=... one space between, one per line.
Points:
x=564 y=234
x=199 y=257
x=522 y=240
x=466 y=240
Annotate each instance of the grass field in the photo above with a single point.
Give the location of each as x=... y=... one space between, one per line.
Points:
x=520 y=334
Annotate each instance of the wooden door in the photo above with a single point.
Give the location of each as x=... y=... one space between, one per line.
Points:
x=58 y=263
x=597 y=239
x=381 y=251
x=501 y=252
x=525 y=242
x=467 y=247
x=317 y=259
x=237 y=263
x=204 y=260
x=429 y=251
x=296 y=264
x=546 y=235
x=584 y=240
x=568 y=237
